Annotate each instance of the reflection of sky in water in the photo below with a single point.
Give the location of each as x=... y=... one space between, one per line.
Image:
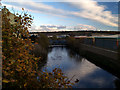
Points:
x=90 y=76
x=98 y=78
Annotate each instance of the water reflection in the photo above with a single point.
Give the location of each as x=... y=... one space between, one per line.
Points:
x=74 y=55
x=89 y=75
x=117 y=83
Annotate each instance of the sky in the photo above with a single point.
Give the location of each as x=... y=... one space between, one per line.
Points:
x=68 y=15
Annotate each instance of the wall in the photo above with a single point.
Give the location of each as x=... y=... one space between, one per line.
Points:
x=100 y=51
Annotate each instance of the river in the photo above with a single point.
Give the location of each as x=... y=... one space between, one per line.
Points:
x=89 y=75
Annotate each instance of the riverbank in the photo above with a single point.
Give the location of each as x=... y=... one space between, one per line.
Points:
x=77 y=67
x=99 y=57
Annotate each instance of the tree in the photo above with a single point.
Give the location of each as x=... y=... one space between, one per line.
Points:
x=19 y=67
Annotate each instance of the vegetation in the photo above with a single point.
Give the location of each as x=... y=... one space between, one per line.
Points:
x=39 y=51
x=54 y=37
x=41 y=47
x=20 y=67
x=43 y=41
x=74 y=43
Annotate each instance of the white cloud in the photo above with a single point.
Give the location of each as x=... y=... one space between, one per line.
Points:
x=47 y=28
x=38 y=8
x=90 y=10
x=52 y=28
x=59 y=0
x=89 y=27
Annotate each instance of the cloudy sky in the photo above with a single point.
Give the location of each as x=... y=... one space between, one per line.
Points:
x=68 y=15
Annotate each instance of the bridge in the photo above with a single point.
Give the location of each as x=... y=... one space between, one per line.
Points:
x=77 y=33
x=57 y=46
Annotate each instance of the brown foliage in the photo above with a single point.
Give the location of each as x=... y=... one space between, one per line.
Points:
x=20 y=68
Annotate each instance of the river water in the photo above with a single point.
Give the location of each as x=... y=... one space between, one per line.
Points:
x=77 y=67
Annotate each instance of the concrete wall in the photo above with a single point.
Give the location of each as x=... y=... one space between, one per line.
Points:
x=100 y=51
x=107 y=43
x=106 y=59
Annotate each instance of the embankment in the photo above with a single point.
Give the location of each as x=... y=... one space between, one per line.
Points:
x=106 y=59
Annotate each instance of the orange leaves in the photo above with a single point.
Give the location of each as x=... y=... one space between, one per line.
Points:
x=26 y=18
x=12 y=72
x=36 y=58
x=25 y=84
x=46 y=77
x=22 y=8
x=59 y=74
x=54 y=79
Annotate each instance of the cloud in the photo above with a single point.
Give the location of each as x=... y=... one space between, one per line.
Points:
x=52 y=28
x=59 y=0
x=84 y=27
x=38 y=8
x=88 y=9
x=91 y=10
x=47 y=28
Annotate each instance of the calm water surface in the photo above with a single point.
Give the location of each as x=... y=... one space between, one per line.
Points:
x=89 y=75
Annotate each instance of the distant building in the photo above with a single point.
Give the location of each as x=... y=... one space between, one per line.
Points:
x=11 y=16
x=62 y=36
x=13 y=19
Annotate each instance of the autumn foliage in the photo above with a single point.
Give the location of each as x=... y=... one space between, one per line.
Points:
x=19 y=66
